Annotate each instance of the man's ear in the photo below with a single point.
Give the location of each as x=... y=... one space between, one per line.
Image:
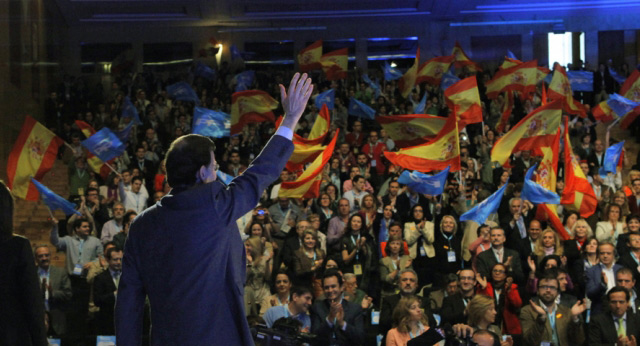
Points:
x=202 y=174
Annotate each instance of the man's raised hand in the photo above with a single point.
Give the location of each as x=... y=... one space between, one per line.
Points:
x=295 y=101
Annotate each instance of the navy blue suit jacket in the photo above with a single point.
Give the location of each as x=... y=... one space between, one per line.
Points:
x=185 y=253
x=596 y=290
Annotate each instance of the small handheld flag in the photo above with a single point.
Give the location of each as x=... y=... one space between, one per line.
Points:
x=54 y=201
x=328 y=97
x=482 y=210
x=424 y=183
x=211 y=123
x=361 y=110
x=104 y=144
x=535 y=193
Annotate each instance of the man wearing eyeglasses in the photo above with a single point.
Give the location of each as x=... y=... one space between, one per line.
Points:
x=185 y=253
x=545 y=321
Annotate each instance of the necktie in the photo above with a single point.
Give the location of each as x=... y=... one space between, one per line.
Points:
x=621 y=329
x=44 y=288
x=500 y=256
x=116 y=277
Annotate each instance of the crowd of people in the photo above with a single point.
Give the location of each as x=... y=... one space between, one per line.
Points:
x=368 y=258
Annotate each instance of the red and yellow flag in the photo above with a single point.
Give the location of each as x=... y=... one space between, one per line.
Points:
x=631 y=87
x=33 y=155
x=507 y=107
x=335 y=64
x=408 y=80
x=308 y=184
x=463 y=99
x=521 y=78
x=411 y=129
x=310 y=57
x=509 y=62
x=94 y=162
x=442 y=151
x=560 y=89
x=251 y=106
x=602 y=112
x=431 y=71
x=534 y=131
x=306 y=150
x=319 y=129
x=462 y=60
x=578 y=193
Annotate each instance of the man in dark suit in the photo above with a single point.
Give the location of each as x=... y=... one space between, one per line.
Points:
x=520 y=166
x=335 y=320
x=453 y=306
x=186 y=254
x=500 y=254
x=617 y=326
x=406 y=201
x=56 y=289
x=147 y=167
x=408 y=284
x=634 y=199
x=624 y=278
x=630 y=259
x=601 y=277
x=515 y=222
x=596 y=158
x=525 y=246
x=105 y=291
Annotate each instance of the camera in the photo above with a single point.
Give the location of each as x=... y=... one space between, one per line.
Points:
x=261 y=212
x=285 y=332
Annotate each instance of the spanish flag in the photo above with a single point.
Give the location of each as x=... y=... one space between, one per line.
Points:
x=578 y=193
x=310 y=58
x=461 y=59
x=412 y=129
x=463 y=99
x=631 y=87
x=602 y=112
x=509 y=62
x=33 y=155
x=431 y=71
x=251 y=106
x=306 y=150
x=308 y=184
x=438 y=154
x=521 y=78
x=560 y=89
x=507 y=107
x=534 y=131
x=319 y=130
x=335 y=64
x=408 y=80
x=94 y=162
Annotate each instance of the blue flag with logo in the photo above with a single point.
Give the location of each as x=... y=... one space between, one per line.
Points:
x=510 y=55
x=54 y=201
x=224 y=177
x=104 y=144
x=612 y=157
x=375 y=86
x=424 y=183
x=327 y=97
x=235 y=53
x=205 y=71
x=390 y=73
x=621 y=105
x=581 y=80
x=535 y=193
x=181 y=91
x=130 y=111
x=616 y=76
x=244 y=80
x=211 y=123
x=482 y=210
x=419 y=108
x=123 y=135
x=448 y=79
x=361 y=110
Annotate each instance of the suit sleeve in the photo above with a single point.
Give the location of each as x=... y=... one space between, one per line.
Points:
x=63 y=293
x=448 y=311
x=482 y=265
x=319 y=325
x=102 y=294
x=595 y=286
x=516 y=266
x=31 y=294
x=131 y=295
x=355 y=326
x=385 y=315
x=532 y=328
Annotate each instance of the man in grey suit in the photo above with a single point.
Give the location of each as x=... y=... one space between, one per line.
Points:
x=185 y=253
x=618 y=326
x=56 y=289
x=500 y=254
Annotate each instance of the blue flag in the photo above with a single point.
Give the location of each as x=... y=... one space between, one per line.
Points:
x=181 y=91
x=612 y=157
x=235 y=53
x=244 y=80
x=104 y=144
x=482 y=210
x=621 y=105
x=510 y=55
x=617 y=77
x=123 y=135
x=205 y=71
x=129 y=111
x=361 y=110
x=224 y=177
x=419 y=108
x=375 y=86
x=448 y=79
x=581 y=80
x=327 y=97
x=211 y=123
x=423 y=183
x=54 y=201
x=390 y=73
x=535 y=193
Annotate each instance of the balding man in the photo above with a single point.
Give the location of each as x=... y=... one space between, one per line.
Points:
x=56 y=289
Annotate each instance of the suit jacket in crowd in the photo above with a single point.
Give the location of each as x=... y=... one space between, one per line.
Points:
x=105 y=299
x=534 y=332
x=487 y=259
x=603 y=331
x=60 y=296
x=332 y=334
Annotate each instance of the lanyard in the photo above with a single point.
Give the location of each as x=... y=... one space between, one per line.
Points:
x=279 y=301
x=355 y=243
x=80 y=251
x=448 y=239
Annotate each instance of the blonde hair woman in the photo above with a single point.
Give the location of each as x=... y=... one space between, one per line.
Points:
x=548 y=243
x=481 y=312
x=409 y=321
x=258 y=270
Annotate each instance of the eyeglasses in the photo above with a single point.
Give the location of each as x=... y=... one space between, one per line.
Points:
x=550 y=288
x=499 y=271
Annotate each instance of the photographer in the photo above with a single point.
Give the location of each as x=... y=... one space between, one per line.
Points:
x=297 y=309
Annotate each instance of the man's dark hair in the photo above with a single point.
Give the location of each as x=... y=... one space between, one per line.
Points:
x=300 y=291
x=140 y=146
x=90 y=189
x=126 y=171
x=185 y=157
x=395 y=224
x=332 y=272
x=549 y=276
x=357 y=178
x=137 y=177
x=625 y=271
x=617 y=289
x=111 y=250
x=79 y=222
x=127 y=217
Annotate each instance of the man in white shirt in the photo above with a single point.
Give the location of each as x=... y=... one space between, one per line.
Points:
x=601 y=277
x=113 y=226
x=134 y=199
x=355 y=195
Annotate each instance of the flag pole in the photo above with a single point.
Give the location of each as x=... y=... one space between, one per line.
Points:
x=111 y=167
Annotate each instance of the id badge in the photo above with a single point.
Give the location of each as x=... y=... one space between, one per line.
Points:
x=357 y=269
x=373 y=163
x=77 y=270
x=375 y=317
x=451 y=256
x=422 y=251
